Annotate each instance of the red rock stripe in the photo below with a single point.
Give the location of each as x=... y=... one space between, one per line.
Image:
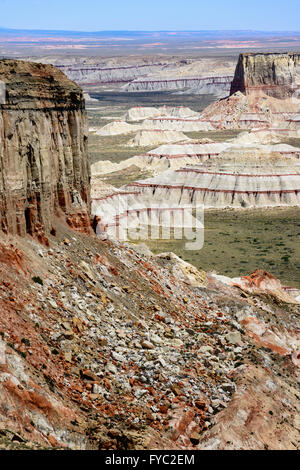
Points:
x=192 y=188
x=180 y=155
x=189 y=170
x=198 y=79
x=113 y=195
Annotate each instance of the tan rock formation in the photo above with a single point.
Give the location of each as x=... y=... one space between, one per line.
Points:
x=274 y=74
x=44 y=169
x=148 y=137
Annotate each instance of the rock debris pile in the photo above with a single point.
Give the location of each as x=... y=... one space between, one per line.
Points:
x=102 y=347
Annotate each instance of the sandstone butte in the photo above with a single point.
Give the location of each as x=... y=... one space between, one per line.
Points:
x=44 y=168
x=106 y=346
x=264 y=94
x=272 y=74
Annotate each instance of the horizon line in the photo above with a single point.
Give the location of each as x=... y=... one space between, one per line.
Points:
x=149 y=30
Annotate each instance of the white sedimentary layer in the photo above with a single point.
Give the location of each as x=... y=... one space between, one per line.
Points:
x=180 y=112
x=167 y=119
x=237 y=178
x=140 y=113
x=190 y=124
x=144 y=138
x=215 y=85
x=164 y=157
x=102 y=73
x=174 y=156
x=117 y=128
x=191 y=148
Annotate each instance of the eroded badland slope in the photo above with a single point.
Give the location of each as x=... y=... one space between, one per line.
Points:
x=109 y=349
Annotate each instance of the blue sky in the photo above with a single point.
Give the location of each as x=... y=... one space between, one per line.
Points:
x=153 y=15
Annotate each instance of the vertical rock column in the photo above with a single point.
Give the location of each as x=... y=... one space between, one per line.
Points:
x=275 y=74
x=44 y=167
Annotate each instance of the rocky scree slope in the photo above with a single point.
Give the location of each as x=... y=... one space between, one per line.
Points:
x=102 y=347
x=44 y=169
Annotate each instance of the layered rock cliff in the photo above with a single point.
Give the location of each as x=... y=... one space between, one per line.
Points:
x=148 y=73
x=274 y=74
x=44 y=168
x=215 y=85
x=98 y=74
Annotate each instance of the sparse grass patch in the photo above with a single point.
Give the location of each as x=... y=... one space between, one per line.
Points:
x=248 y=246
x=113 y=148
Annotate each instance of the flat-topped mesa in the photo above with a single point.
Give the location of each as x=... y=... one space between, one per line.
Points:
x=44 y=167
x=238 y=178
x=275 y=74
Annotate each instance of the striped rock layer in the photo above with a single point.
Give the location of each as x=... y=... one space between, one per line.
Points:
x=237 y=178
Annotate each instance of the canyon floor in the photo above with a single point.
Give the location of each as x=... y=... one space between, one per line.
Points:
x=236 y=241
